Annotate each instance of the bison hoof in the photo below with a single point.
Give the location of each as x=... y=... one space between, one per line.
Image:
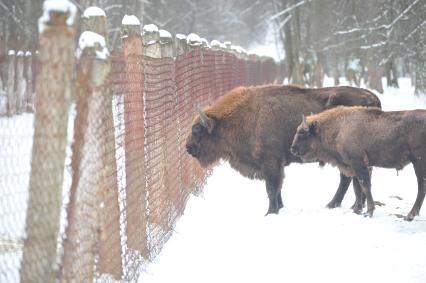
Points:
x=410 y=216
x=333 y=205
x=272 y=211
x=368 y=214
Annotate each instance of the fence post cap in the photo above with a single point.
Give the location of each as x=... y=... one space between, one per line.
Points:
x=222 y=46
x=93 y=11
x=180 y=44
x=204 y=43
x=215 y=44
x=180 y=36
x=57 y=12
x=165 y=36
x=92 y=44
x=94 y=19
x=193 y=40
x=130 y=20
x=166 y=42
x=228 y=44
x=151 y=41
x=150 y=34
x=130 y=26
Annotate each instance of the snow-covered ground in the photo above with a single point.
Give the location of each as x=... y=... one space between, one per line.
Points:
x=224 y=236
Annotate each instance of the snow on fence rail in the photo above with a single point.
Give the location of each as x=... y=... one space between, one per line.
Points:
x=127 y=177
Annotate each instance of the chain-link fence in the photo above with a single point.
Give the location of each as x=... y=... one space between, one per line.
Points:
x=93 y=182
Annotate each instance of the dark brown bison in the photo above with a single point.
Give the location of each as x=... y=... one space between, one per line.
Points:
x=382 y=139
x=253 y=127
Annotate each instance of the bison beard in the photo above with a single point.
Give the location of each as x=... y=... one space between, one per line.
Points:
x=382 y=139
x=253 y=127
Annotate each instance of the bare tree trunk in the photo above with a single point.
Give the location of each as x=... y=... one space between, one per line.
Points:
x=298 y=70
x=288 y=46
x=375 y=76
x=319 y=70
x=420 y=65
x=391 y=74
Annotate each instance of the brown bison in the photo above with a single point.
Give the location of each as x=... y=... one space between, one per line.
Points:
x=382 y=139
x=253 y=127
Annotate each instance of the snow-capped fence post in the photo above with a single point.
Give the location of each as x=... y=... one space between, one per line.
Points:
x=93 y=212
x=193 y=41
x=151 y=41
x=39 y=259
x=166 y=44
x=10 y=85
x=21 y=87
x=134 y=137
x=94 y=19
x=28 y=73
x=180 y=44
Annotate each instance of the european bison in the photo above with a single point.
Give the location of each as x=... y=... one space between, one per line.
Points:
x=355 y=138
x=253 y=127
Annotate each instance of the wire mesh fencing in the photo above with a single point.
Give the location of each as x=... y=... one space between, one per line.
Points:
x=93 y=182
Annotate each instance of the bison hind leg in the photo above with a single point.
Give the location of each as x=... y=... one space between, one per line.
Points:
x=359 y=197
x=364 y=178
x=274 y=180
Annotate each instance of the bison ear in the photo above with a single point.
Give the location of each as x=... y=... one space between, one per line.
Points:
x=313 y=127
x=206 y=121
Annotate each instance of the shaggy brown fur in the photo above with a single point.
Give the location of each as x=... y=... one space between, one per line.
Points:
x=253 y=127
x=383 y=139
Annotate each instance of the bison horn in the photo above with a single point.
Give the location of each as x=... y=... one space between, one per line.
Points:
x=304 y=122
x=206 y=121
x=203 y=117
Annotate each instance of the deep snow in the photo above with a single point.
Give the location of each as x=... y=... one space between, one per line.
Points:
x=225 y=237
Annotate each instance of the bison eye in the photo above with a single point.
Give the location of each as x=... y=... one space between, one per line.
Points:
x=303 y=134
x=197 y=129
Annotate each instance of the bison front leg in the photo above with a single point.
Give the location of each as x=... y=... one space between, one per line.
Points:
x=364 y=179
x=420 y=170
x=274 y=180
x=341 y=191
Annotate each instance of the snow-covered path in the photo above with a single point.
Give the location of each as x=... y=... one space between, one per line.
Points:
x=224 y=236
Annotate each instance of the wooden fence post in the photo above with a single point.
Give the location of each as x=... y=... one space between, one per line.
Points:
x=95 y=20
x=93 y=212
x=151 y=41
x=20 y=82
x=28 y=66
x=166 y=44
x=10 y=86
x=180 y=44
x=134 y=137
x=39 y=260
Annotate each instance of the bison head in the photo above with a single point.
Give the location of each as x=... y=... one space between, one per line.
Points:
x=200 y=142
x=304 y=142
